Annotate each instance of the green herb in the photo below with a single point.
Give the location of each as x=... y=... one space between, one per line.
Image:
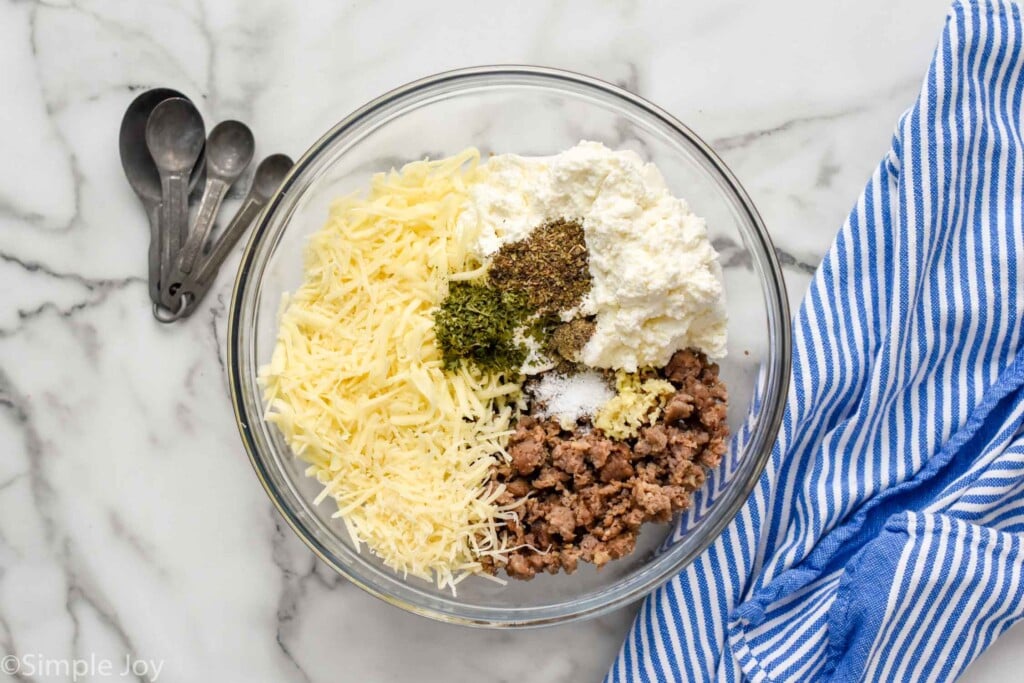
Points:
x=477 y=323
x=540 y=326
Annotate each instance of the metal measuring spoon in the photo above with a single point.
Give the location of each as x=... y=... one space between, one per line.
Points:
x=175 y=136
x=142 y=174
x=229 y=149
x=268 y=177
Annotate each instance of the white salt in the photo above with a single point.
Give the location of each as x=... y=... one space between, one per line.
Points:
x=568 y=398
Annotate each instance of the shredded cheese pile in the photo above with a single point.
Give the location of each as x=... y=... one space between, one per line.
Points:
x=357 y=386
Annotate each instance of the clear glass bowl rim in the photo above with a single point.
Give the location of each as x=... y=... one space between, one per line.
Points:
x=663 y=567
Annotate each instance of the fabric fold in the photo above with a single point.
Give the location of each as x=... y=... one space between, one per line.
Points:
x=939 y=565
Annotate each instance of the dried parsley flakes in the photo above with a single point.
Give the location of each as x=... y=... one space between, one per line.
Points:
x=477 y=323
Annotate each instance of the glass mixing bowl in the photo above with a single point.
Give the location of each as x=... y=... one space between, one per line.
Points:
x=530 y=111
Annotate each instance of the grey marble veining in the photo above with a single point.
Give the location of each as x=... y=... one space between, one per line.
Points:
x=131 y=525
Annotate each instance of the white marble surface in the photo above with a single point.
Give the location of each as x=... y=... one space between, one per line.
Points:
x=130 y=521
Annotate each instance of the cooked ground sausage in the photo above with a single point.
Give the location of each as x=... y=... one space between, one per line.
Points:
x=582 y=496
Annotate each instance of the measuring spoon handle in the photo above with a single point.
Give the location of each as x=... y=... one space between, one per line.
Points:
x=197 y=285
x=173 y=216
x=213 y=195
x=153 y=214
x=245 y=216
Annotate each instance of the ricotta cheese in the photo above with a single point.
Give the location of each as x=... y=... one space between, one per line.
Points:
x=656 y=285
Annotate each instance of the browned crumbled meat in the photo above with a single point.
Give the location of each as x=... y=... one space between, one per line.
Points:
x=527 y=449
x=679 y=407
x=687 y=474
x=568 y=456
x=654 y=499
x=550 y=477
x=712 y=455
x=714 y=415
x=682 y=365
x=617 y=468
x=518 y=566
x=652 y=441
x=583 y=496
x=599 y=448
x=562 y=521
x=518 y=487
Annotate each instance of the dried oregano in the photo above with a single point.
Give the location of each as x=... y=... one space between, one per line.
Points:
x=551 y=266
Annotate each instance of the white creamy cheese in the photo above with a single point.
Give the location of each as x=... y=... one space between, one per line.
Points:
x=656 y=282
x=503 y=208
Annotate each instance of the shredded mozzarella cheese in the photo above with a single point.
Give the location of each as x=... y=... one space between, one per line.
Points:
x=357 y=385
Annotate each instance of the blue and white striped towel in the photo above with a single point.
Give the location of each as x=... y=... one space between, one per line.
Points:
x=885 y=539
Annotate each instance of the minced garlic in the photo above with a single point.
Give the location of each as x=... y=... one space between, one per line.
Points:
x=636 y=403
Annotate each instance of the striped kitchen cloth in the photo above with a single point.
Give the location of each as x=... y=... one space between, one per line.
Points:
x=885 y=539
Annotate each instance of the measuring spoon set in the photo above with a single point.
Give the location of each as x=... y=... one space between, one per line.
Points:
x=166 y=153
